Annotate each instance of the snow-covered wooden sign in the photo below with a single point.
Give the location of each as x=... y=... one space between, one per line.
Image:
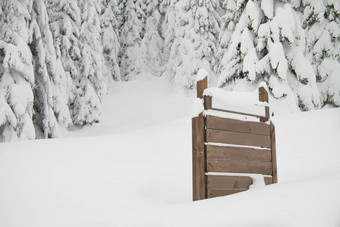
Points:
x=233 y=141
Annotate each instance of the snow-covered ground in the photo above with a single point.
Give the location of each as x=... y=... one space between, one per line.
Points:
x=134 y=169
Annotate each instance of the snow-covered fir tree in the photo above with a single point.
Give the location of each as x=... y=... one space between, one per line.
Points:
x=110 y=37
x=16 y=71
x=231 y=63
x=233 y=10
x=51 y=86
x=150 y=55
x=131 y=35
x=65 y=23
x=142 y=8
x=76 y=32
x=322 y=22
x=168 y=12
x=194 y=45
x=91 y=82
x=268 y=44
x=118 y=10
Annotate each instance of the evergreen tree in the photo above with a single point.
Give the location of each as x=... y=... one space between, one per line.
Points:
x=233 y=10
x=142 y=7
x=65 y=22
x=268 y=44
x=109 y=34
x=130 y=38
x=150 y=56
x=91 y=83
x=119 y=10
x=76 y=34
x=195 y=40
x=322 y=22
x=16 y=72
x=168 y=25
x=50 y=90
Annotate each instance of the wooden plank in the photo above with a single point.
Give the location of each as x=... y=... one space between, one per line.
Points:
x=216 y=191
x=201 y=86
x=233 y=182
x=268 y=180
x=229 y=182
x=235 y=166
x=218 y=136
x=236 y=112
x=222 y=192
x=198 y=148
x=207 y=102
x=198 y=158
x=234 y=125
x=237 y=153
x=263 y=97
x=273 y=149
x=248 y=109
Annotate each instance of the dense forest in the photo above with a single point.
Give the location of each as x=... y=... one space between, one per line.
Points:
x=57 y=57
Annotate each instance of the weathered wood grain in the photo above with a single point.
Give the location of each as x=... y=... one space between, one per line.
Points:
x=201 y=86
x=226 y=124
x=198 y=158
x=268 y=180
x=226 y=137
x=207 y=102
x=238 y=153
x=234 y=166
x=263 y=97
x=229 y=182
x=273 y=148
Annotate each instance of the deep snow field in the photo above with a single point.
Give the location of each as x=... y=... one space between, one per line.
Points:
x=134 y=169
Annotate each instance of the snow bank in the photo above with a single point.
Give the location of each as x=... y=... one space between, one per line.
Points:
x=292 y=204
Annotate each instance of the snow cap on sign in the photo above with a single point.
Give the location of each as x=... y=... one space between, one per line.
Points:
x=264 y=85
x=201 y=74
